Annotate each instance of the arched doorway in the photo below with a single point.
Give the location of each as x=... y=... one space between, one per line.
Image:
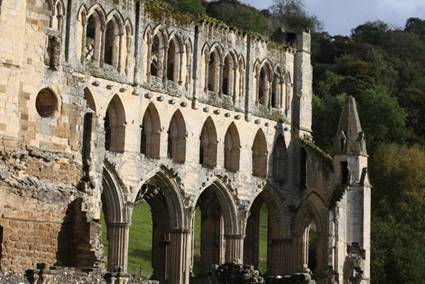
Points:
x=157 y=232
x=267 y=225
x=215 y=227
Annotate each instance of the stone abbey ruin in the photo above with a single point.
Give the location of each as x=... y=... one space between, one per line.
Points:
x=108 y=103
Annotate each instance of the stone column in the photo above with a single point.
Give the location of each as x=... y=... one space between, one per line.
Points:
x=118 y=246
x=178 y=264
x=234 y=247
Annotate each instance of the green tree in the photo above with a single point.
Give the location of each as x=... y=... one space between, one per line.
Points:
x=292 y=16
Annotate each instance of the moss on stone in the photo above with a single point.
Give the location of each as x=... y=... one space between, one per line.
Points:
x=337 y=195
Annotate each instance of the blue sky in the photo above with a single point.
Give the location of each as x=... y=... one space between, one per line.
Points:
x=340 y=16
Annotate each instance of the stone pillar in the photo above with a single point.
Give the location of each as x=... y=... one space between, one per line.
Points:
x=118 y=247
x=234 y=247
x=178 y=264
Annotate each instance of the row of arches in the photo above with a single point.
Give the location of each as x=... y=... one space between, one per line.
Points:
x=168 y=56
x=214 y=227
x=104 y=38
x=150 y=141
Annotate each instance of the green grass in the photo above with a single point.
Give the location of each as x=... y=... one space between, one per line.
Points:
x=140 y=242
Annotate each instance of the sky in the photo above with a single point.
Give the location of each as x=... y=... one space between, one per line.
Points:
x=341 y=16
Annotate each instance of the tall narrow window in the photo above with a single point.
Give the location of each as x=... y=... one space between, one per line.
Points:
x=110 y=43
x=259 y=155
x=151 y=133
x=345 y=174
x=262 y=95
x=276 y=91
x=232 y=149
x=157 y=55
x=212 y=72
x=115 y=126
x=208 y=145
x=177 y=138
x=171 y=64
x=228 y=75
x=93 y=37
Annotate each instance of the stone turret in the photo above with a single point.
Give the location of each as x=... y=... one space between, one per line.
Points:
x=351 y=216
x=350 y=138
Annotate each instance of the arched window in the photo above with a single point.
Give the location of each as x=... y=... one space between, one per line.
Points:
x=263 y=85
x=214 y=71
x=276 y=99
x=228 y=75
x=177 y=138
x=93 y=37
x=173 y=60
x=57 y=21
x=112 y=43
x=208 y=145
x=232 y=149
x=151 y=133
x=157 y=55
x=280 y=160
x=115 y=126
x=259 y=155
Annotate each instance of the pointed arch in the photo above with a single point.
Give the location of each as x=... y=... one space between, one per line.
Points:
x=219 y=222
x=187 y=63
x=241 y=77
x=213 y=70
x=232 y=147
x=58 y=16
x=277 y=88
x=278 y=223
x=264 y=77
x=175 y=49
x=228 y=74
x=113 y=43
x=259 y=155
x=177 y=134
x=93 y=29
x=151 y=133
x=115 y=121
x=280 y=160
x=157 y=52
x=208 y=145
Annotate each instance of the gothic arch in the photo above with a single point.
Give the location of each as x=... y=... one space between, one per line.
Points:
x=277 y=87
x=172 y=195
x=259 y=155
x=177 y=134
x=208 y=145
x=151 y=133
x=112 y=196
x=232 y=147
x=263 y=78
x=229 y=68
x=157 y=50
x=280 y=159
x=241 y=77
x=115 y=122
x=174 y=60
x=278 y=229
x=92 y=32
x=213 y=69
x=114 y=31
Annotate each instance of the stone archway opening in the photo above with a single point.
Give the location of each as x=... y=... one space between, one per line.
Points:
x=265 y=233
x=311 y=243
x=150 y=133
x=209 y=242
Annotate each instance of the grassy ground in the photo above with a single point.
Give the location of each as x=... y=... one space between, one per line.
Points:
x=140 y=243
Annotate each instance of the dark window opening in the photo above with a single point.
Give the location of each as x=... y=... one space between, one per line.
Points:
x=143 y=148
x=87 y=133
x=109 y=43
x=107 y=132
